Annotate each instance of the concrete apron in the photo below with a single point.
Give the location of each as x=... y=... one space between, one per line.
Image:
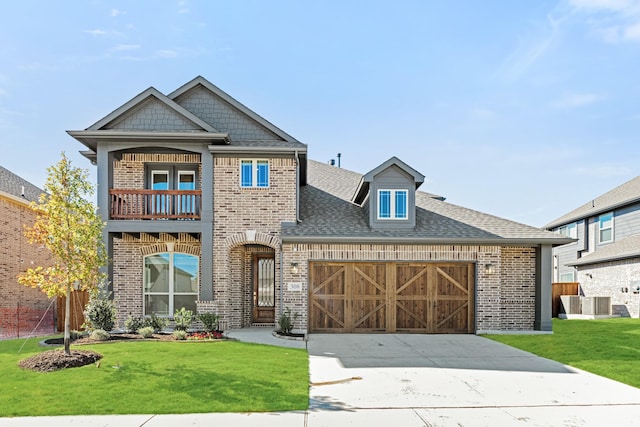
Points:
x=445 y=374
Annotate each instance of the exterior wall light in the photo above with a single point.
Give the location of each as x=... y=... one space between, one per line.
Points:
x=294 y=268
x=489 y=268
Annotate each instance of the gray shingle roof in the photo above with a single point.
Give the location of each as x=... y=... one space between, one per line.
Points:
x=12 y=184
x=624 y=194
x=628 y=247
x=327 y=213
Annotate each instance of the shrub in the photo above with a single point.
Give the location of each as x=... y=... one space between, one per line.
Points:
x=132 y=324
x=74 y=335
x=183 y=319
x=100 y=312
x=146 y=332
x=100 y=335
x=179 y=335
x=286 y=321
x=155 y=322
x=209 y=321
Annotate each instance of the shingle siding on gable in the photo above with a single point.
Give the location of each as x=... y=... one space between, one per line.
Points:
x=223 y=116
x=155 y=116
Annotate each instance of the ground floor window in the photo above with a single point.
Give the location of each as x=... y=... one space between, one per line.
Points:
x=567 y=277
x=170 y=283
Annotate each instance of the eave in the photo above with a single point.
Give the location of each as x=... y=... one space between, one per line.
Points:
x=424 y=241
x=90 y=138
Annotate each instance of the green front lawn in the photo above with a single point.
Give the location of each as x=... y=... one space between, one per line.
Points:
x=158 y=378
x=610 y=347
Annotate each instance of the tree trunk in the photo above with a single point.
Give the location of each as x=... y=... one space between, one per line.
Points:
x=67 y=322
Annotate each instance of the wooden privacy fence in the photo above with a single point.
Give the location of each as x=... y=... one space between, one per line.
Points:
x=79 y=300
x=562 y=288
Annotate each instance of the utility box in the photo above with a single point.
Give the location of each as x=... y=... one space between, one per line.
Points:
x=570 y=304
x=596 y=306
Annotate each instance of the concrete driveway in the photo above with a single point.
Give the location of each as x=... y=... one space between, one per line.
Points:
x=461 y=380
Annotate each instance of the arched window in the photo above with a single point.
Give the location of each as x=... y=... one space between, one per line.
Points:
x=170 y=283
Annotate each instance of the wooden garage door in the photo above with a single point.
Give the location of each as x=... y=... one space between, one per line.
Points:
x=391 y=297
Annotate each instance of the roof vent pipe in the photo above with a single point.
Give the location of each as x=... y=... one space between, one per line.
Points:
x=338 y=156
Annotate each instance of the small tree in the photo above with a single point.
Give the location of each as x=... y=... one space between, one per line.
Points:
x=69 y=226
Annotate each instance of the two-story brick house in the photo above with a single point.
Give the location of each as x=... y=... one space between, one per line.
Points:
x=23 y=310
x=211 y=207
x=605 y=257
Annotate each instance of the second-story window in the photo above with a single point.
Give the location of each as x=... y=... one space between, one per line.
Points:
x=569 y=230
x=605 y=226
x=392 y=204
x=254 y=173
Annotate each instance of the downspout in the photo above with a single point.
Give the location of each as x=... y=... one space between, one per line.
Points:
x=281 y=282
x=295 y=153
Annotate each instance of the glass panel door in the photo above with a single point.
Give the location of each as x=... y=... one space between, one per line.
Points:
x=159 y=181
x=187 y=181
x=264 y=289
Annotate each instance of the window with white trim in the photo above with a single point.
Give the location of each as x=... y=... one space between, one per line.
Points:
x=254 y=173
x=393 y=204
x=569 y=230
x=170 y=283
x=605 y=227
x=567 y=277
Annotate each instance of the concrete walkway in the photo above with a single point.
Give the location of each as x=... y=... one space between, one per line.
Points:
x=416 y=380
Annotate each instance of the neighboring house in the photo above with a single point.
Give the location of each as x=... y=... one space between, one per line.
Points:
x=605 y=259
x=21 y=308
x=210 y=207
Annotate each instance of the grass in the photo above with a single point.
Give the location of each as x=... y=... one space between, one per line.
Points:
x=610 y=348
x=158 y=378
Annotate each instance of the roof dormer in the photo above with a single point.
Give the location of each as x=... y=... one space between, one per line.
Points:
x=389 y=191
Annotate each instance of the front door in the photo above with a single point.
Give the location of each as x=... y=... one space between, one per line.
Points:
x=264 y=288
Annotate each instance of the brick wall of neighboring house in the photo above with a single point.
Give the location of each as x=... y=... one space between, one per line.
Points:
x=128 y=265
x=246 y=216
x=609 y=279
x=502 y=296
x=21 y=307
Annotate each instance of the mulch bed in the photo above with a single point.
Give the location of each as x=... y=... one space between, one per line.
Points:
x=54 y=360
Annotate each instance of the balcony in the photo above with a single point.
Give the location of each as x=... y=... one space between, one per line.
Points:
x=155 y=204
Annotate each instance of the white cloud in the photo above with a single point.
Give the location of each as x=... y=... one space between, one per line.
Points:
x=575 y=100
x=125 y=47
x=96 y=32
x=166 y=54
x=615 y=21
x=183 y=7
x=602 y=171
x=532 y=46
x=116 y=12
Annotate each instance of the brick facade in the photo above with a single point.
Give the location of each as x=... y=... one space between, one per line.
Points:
x=616 y=279
x=21 y=307
x=505 y=297
x=246 y=216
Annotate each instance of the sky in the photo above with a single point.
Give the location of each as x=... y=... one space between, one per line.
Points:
x=521 y=109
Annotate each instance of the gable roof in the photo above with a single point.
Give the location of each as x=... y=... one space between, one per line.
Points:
x=625 y=194
x=141 y=99
x=328 y=214
x=628 y=247
x=18 y=188
x=183 y=92
x=363 y=188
